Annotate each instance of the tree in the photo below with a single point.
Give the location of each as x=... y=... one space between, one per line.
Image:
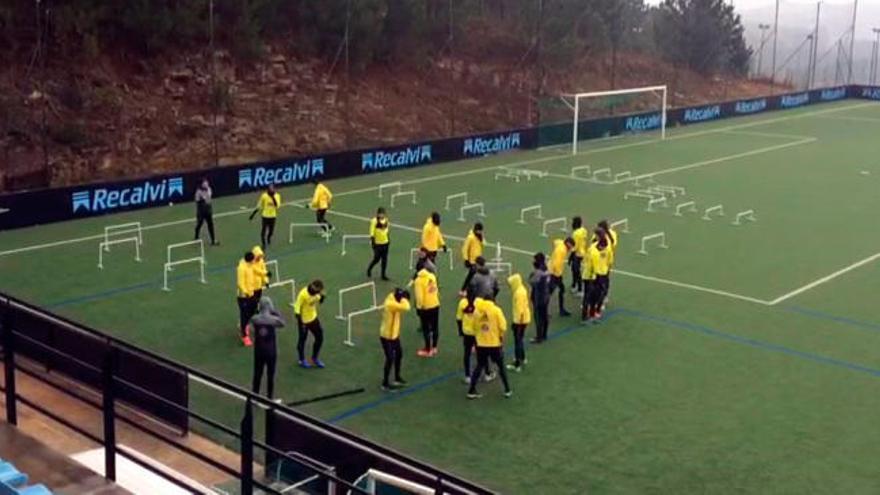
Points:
x=622 y=20
x=704 y=35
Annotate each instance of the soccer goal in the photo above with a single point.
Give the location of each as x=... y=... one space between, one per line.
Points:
x=646 y=108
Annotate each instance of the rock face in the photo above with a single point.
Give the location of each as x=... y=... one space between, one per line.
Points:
x=116 y=119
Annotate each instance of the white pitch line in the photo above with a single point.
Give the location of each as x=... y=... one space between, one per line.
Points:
x=769 y=134
x=825 y=279
x=854 y=119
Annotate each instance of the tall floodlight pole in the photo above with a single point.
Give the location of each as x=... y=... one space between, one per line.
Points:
x=875 y=55
x=214 y=90
x=811 y=79
x=764 y=38
x=775 y=42
x=852 y=42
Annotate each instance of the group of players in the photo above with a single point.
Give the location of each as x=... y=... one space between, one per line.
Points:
x=482 y=323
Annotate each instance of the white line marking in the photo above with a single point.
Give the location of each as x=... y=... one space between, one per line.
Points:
x=854 y=119
x=769 y=134
x=825 y=279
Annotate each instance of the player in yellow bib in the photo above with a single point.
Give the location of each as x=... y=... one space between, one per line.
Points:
x=379 y=240
x=306 y=311
x=267 y=207
x=321 y=203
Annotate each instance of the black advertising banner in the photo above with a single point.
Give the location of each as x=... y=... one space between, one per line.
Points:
x=53 y=205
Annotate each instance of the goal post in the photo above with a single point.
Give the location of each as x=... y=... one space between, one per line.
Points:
x=576 y=102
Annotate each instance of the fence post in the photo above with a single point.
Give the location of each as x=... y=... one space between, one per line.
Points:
x=247 y=449
x=9 y=363
x=270 y=435
x=109 y=412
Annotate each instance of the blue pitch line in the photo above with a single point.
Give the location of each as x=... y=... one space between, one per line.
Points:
x=753 y=342
x=830 y=317
x=446 y=376
x=146 y=285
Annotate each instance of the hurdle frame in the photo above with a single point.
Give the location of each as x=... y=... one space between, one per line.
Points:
x=523 y=211
x=462 y=195
x=170 y=266
x=675 y=190
x=102 y=248
x=277 y=273
x=636 y=194
x=602 y=171
x=578 y=168
x=325 y=233
x=624 y=222
x=346 y=237
x=471 y=206
x=627 y=175
x=747 y=214
x=690 y=205
x=707 y=215
x=506 y=175
x=122 y=228
x=658 y=235
x=562 y=220
x=348 y=336
x=500 y=267
x=172 y=247
x=371 y=285
x=400 y=194
x=414 y=253
x=281 y=283
x=387 y=185
x=656 y=201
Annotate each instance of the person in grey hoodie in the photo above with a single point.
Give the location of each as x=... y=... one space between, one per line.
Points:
x=539 y=282
x=265 y=324
x=483 y=284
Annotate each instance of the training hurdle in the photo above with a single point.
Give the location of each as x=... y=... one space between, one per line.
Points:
x=276 y=273
x=642 y=180
x=622 y=176
x=350 y=318
x=414 y=254
x=621 y=223
x=325 y=233
x=169 y=264
x=553 y=221
x=121 y=229
x=506 y=175
x=367 y=285
x=674 y=190
x=661 y=192
x=472 y=206
x=538 y=209
x=498 y=256
x=352 y=237
x=582 y=169
x=390 y=185
x=602 y=171
x=656 y=201
x=282 y=283
x=530 y=174
x=688 y=206
x=658 y=235
x=103 y=247
x=719 y=209
x=652 y=193
x=463 y=196
x=747 y=215
x=500 y=267
x=401 y=194
x=637 y=194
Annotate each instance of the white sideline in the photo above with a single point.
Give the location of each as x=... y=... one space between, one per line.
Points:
x=826 y=278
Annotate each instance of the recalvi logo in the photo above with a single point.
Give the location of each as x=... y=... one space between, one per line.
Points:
x=486 y=146
x=259 y=177
x=791 y=101
x=871 y=93
x=833 y=94
x=702 y=114
x=752 y=106
x=643 y=122
x=405 y=157
x=107 y=199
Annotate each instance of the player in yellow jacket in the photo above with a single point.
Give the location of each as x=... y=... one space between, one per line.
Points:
x=380 y=241
x=396 y=304
x=471 y=249
x=464 y=319
x=612 y=240
x=267 y=207
x=580 y=236
x=306 y=311
x=489 y=326
x=432 y=237
x=556 y=268
x=245 y=278
x=522 y=316
x=321 y=200
x=428 y=307
x=600 y=257
x=261 y=272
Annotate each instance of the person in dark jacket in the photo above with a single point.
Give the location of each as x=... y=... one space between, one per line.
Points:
x=265 y=324
x=205 y=211
x=539 y=282
x=483 y=284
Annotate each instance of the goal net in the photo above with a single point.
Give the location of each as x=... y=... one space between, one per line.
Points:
x=568 y=119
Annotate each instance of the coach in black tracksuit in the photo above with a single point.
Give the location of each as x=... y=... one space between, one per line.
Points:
x=205 y=210
x=265 y=324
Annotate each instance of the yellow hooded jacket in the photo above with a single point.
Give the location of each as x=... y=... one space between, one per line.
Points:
x=466 y=319
x=489 y=323
x=427 y=293
x=472 y=248
x=432 y=238
x=306 y=305
x=261 y=273
x=245 y=279
x=322 y=197
x=557 y=258
x=522 y=312
x=392 y=316
x=580 y=236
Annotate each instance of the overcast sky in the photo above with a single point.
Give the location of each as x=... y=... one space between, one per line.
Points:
x=760 y=3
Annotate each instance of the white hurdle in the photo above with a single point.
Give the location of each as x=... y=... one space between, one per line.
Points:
x=414 y=254
x=674 y=190
x=602 y=171
x=120 y=229
x=582 y=169
x=748 y=215
x=276 y=273
x=472 y=206
x=102 y=247
x=643 y=180
x=498 y=257
x=553 y=221
x=282 y=283
x=538 y=209
x=530 y=174
x=325 y=233
x=346 y=290
x=348 y=336
x=352 y=237
x=390 y=185
x=656 y=201
x=624 y=223
x=506 y=175
x=169 y=264
x=658 y=235
x=688 y=206
x=622 y=176
x=463 y=196
x=401 y=194
x=637 y=194
x=661 y=192
x=719 y=209
x=497 y=267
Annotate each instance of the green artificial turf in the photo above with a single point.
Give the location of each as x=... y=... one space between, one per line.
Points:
x=727 y=363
